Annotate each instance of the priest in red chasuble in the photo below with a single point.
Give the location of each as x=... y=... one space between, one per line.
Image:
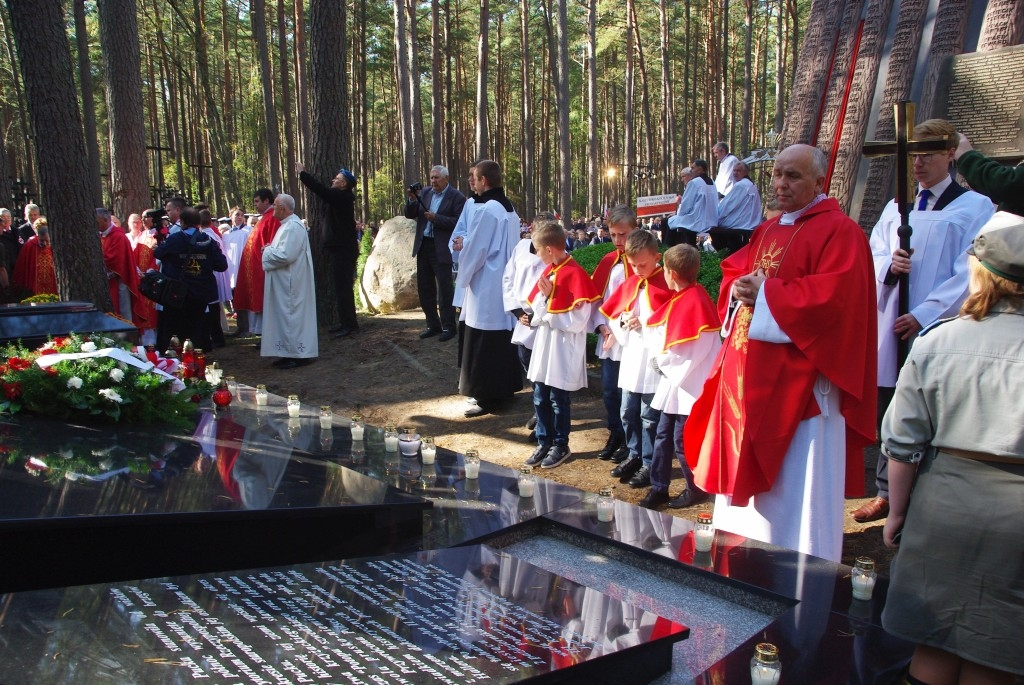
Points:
x=251 y=277
x=778 y=430
x=34 y=268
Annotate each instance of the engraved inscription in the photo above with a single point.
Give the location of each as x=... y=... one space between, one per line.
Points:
x=985 y=98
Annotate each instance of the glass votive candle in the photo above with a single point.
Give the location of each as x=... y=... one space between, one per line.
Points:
x=262 y=396
x=765 y=668
x=863 y=577
x=703 y=532
x=408 y=442
x=527 y=482
x=294 y=426
x=357 y=427
x=472 y=464
x=605 y=505
x=294 y=406
x=232 y=385
x=429 y=451
x=326 y=417
x=214 y=373
x=390 y=439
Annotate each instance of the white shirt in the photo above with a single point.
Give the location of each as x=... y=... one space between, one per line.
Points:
x=723 y=180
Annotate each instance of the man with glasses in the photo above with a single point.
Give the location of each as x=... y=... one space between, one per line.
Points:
x=945 y=219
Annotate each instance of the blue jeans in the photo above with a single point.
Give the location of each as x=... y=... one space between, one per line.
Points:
x=554 y=414
x=611 y=394
x=668 y=445
x=639 y=422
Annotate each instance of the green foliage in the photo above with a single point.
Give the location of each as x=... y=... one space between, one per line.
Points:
x=589 y=257
x=710 y=275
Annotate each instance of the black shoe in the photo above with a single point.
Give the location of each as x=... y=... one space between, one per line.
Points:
x=654 y=499
x=641 y=479
x=345 y=331
x=290 y=363
x=532 y=437
x=446 y=335
x=531 y=423
x=626 y=469
x=429 y=333
x=612 y=446
x=620 y=456
x=688 y=497
x=538 y=455
x=558 y=454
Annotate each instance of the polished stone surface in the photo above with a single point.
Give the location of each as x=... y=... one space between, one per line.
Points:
x=459 y=615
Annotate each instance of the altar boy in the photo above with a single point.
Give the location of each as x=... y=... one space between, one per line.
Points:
x=686 y=330
x=560 y=302
x=627 y=309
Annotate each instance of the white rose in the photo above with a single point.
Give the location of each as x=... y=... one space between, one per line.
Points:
x=116 y=375
x=111 y=395
x=88 y=346
x=75 y=382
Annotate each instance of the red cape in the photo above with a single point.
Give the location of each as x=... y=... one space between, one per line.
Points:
x=117 y=257
x=145 y=260
x=653 y=287
x=821 y=292
x=570 y=285
x=248 y=293
x=603 y=272
x=686 y=315
x=34 y=268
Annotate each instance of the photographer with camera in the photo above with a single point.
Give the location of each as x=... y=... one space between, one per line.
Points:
x=436 y=211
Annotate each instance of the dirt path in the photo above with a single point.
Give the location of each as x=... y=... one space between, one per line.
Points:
x=392 y=376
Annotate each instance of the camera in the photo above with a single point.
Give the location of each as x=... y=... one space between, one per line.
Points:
x=415 y=188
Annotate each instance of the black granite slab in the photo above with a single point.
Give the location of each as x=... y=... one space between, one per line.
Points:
x=462 y=615
x=82 y=504
x=33 y=323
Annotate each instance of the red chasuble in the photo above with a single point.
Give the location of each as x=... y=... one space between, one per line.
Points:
x=570 y=285
x=34 y=268
x=248 y=293
x=603 y=272
x=118 y=258
x=689 y=313
x=624 y=298
x=821 y=291
x=145 y=260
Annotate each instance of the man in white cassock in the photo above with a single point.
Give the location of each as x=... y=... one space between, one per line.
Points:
x=945 y=219
x=724 y=179
x=289 y=297
x=738 y=211
x=491 y=373
x=698 y=210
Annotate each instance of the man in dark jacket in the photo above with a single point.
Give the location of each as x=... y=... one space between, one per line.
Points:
x=436 y=211
x=1000 y=183
x=340 y=242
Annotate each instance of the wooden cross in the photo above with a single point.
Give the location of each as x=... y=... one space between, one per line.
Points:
x=904 y=147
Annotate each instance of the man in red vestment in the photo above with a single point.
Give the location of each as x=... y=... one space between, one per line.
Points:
x=34 y=268
x=248 y=293
x=778 y=429
x=122 y=274
x=142 y=249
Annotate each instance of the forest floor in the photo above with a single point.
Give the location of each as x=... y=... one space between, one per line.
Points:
x=392 y=377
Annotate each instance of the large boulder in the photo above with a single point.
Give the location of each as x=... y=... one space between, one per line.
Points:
x=389 y=277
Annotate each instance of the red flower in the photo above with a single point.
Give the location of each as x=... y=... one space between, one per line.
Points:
x=52 y=370
x=18 y=364
x=3 y=369
x=49 y=350
x=12 y=390
x=59 y=342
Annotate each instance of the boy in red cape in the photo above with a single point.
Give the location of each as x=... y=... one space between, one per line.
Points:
x=778 y=429
x=560 y=302
x=627 y=308
x=687 y=326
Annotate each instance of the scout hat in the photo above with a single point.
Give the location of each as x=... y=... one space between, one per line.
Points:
x=999 y=246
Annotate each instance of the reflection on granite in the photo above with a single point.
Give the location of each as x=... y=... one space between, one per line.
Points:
x=459 y=615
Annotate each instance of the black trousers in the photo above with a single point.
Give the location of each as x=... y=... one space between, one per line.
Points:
x=343 y=266
x=435 y=286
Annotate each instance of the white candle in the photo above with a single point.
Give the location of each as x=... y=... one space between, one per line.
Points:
x=472 y=469
x=326 y=422
x=526 y=487
x=703 y=539
x=261 y=396
x=429 y=454
x=357 y=432
x=764 y=676
x=293 y=411
x=863 y=586
x=391 y=443
x=605 y=511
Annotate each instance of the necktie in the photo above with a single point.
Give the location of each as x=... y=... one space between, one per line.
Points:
x=922 y=204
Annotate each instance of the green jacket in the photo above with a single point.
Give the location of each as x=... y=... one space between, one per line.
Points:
x=1002 y=184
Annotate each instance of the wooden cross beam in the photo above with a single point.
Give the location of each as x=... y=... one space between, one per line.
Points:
x=904 y=147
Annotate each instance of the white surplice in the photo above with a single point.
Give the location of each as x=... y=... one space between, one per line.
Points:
x=521 y=274
x=289 y=296
x=460 y=231
x=938 y=267
x=559 y=358
x=234 y=243
x=741 y=208
x=491 y=235
x=698 y=210
x=616 y=277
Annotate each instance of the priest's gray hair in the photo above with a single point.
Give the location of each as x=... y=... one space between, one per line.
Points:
x=288 y=201
x=443 y=170
x=819 y=161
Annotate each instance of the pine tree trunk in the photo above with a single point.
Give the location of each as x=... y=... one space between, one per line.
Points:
x=562 y=99
x=88 y=105
x=286 y=100
x=437 y=150
x=60 y=144
x=530 y=204
x=594 y=174
x=483 y=149
x=258 y=15
x=119 y=38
